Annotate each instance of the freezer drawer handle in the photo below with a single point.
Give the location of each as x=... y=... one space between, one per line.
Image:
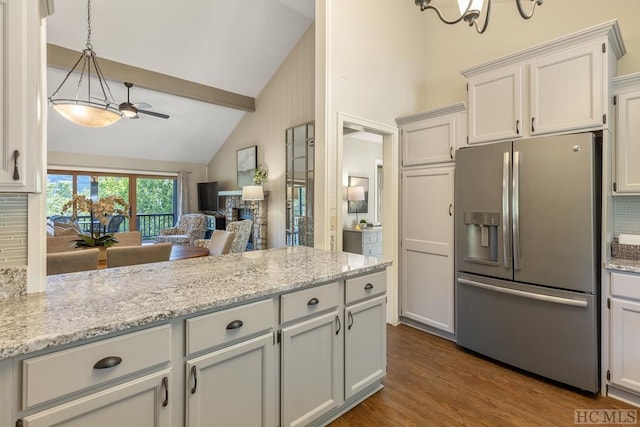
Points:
x=545 y=298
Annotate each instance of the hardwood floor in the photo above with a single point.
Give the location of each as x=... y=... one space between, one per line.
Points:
x=433 y=382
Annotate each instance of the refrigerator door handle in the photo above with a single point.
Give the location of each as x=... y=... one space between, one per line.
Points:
x=506 y=165
x=515 y=220
x=523 y=294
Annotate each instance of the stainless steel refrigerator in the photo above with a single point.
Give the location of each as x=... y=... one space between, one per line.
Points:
x=527 y=239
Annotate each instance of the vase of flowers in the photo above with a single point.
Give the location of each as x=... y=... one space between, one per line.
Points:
x=99 y=210
x=261 y=175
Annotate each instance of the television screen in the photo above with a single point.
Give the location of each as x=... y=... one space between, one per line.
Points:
x=208 y=196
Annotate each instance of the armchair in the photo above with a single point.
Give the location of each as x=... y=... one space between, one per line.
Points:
x=189 y=228
x=241 y=230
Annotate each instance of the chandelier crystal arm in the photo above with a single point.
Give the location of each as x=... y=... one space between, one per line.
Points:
x=524 y=14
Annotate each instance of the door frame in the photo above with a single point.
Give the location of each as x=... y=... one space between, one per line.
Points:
x=390 y=198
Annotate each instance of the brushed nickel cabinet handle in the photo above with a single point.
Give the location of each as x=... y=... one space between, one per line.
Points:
x=350 y=320
x=313 y=301
x=16 y=175
x=533 y=119
x=368 y=286
x=518 y=127
x=339 y=325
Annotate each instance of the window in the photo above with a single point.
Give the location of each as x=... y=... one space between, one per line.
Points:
x=152 y=199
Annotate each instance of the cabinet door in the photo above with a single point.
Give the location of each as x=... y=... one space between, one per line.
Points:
x=566 y=90
x=20 y=157
x=427 y=283
x=311 y=369
x=143 y=402
x=234 y=386
x=625 y=345
x=628 y=143
x=495 y=105
x=365 y=348
x=429 y=141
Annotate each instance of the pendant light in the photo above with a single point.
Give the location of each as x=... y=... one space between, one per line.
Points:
x=470 y=11
x=92 y=111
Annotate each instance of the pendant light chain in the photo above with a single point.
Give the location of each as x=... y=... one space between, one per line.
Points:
x=89 y=46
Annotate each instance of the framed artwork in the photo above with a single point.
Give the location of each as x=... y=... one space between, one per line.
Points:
x=247 y=159
x=359 y=206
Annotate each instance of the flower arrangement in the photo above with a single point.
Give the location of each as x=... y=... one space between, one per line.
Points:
x=261 y=175
x=100 y=210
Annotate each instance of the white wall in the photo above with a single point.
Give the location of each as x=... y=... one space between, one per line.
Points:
x=198 y=172
x=286 y=101
x=359 y=159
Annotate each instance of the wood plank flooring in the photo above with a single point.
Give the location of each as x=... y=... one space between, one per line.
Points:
x=433 y=382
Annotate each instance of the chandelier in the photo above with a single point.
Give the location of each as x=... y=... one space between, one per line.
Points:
x=91 y=111
x=470 y=11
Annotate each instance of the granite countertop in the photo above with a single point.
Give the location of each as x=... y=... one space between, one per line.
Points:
x=79 y=306
x=631 y=266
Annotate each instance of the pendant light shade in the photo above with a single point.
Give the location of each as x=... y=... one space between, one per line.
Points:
x=95 y=110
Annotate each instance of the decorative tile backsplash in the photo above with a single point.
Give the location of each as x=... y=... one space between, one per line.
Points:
x=627 y=214
x=13 y=229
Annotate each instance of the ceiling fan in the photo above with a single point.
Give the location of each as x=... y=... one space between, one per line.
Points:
x=131 y=110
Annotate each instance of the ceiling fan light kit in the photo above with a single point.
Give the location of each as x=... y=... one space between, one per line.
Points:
x=87 y=112
x=131 y=111
x=470 y=11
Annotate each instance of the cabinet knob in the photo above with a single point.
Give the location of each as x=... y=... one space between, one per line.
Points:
x=235 y=324
x=107 y=362
x=313 y=301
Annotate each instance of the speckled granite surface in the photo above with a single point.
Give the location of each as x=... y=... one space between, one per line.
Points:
x=623 y=265
x=77 y=306
x=13 y=281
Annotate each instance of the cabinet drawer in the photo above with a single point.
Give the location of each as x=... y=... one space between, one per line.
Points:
x=374 y=249
x=625 y=285
x=310 y=301
x=369 y=237
x=365 y=286
x=213 y=329
x=67 y=371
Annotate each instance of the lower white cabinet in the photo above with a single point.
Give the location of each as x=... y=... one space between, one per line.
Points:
x=140 y=402
x=311 y=369
x=233 y=386
x=625 y=324
x=365 y=348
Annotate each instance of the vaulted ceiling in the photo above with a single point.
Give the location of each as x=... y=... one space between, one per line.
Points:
x=232 y=45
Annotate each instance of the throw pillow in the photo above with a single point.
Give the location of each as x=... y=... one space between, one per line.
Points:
x=63 y=229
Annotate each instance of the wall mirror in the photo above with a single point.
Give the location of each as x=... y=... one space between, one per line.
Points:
x=299 y=185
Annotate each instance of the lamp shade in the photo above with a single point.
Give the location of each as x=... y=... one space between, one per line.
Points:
x=252 y=192
x=474 y=6
x=355 y=193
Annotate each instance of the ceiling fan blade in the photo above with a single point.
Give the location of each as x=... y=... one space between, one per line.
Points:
x=142 y=105
x=153 y=113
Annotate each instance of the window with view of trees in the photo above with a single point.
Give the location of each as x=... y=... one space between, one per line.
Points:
x=152 y=199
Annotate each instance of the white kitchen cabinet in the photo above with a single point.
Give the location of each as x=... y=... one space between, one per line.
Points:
x=140 y=402
x=432 y=136
x=627 y=135
x=427 y=249
x=624 y=327
x=365 y=347
x=495 y=104
x=21 y=122
x=556 y=87
x=234 y=386
x=311 y=369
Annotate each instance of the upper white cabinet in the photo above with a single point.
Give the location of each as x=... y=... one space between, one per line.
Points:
x=556 y=87
x=433 y=136
x=21 y=95
x=627 y=135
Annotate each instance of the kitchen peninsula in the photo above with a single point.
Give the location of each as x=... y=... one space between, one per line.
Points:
x=275 y=337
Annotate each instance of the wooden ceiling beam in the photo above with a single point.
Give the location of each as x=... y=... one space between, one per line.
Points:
x=63 y=58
